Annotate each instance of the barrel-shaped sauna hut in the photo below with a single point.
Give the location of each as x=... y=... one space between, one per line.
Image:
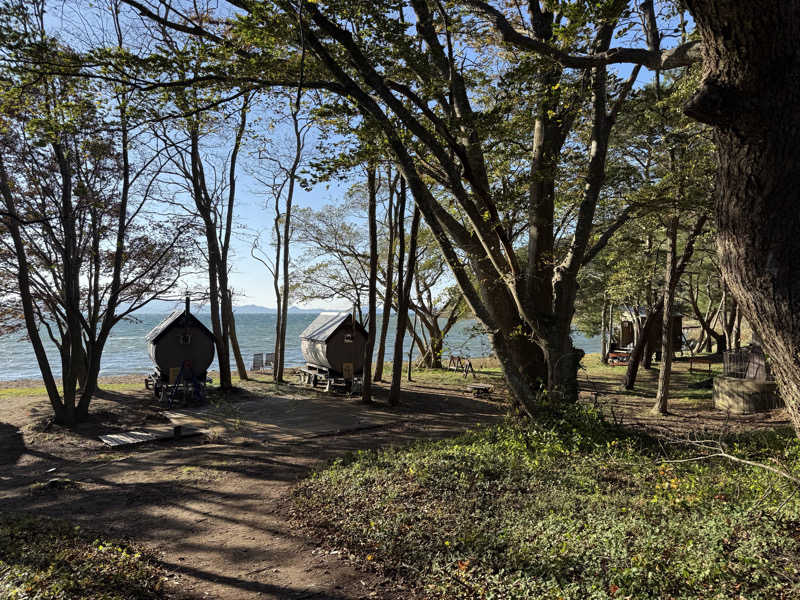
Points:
x=332 y=342
x=180 y=345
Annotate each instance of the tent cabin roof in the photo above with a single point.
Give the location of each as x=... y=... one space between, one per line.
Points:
x=326 y=324
x=175 y=319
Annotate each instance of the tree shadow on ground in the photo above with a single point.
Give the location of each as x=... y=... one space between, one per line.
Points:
x=12 y=444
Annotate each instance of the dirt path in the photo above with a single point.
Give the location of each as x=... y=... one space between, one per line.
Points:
x=215 y=507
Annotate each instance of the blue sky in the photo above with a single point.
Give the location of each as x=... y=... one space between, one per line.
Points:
x=249 y=277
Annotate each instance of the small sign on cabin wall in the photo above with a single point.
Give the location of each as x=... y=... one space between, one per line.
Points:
x=347 y=370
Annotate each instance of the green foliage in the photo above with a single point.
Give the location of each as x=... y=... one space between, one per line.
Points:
x=569 y=508
x=52 y=559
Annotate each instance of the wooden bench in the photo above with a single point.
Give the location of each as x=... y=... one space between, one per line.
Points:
x=703 y=360
x=481 y=390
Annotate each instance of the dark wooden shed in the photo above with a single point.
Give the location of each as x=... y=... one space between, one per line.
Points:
x=181 y=340
x=627 y=333
x=334 y=340
x=654 y=343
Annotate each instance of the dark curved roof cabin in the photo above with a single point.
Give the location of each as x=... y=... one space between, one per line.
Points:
x=179 y=338
x=333 y=339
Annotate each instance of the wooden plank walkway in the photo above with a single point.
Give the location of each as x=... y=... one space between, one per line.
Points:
x=150 y=434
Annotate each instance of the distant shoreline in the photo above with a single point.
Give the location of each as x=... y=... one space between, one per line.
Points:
x=130 y=378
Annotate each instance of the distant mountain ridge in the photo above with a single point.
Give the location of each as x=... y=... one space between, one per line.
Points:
x=167 y=306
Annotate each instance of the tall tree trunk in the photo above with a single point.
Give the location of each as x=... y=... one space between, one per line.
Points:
x=204 y=205
x=729 y=320
x=706 y=321
x=641 y=344
x=639 y=349
x=223 y=356
x=287 y=224
x=750 y=94
x=649 y=350
x=662 y=396
x=411 y=351
x=71 y=349
x=366 y=389
x=737 y=331
x=400 y=223
x=404 y=294
x=387 y=294
x=285 y=287
x=603 y=326
x=436 y=335
x=228 y=318
x=28 y=310
x=563 y=359
x=234 y=340
x=278 y=359
x=96 y=345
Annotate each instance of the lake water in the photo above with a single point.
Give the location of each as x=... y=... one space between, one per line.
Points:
x=126 y=350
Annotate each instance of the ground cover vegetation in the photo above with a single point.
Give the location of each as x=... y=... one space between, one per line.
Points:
x=571 y=507
x=48 y=559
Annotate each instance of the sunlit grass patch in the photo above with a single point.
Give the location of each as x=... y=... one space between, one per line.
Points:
x=39 y=390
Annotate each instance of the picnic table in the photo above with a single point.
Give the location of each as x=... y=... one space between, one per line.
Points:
x=461 y=364
x=703 y=360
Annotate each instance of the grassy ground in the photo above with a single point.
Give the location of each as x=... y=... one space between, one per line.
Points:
x=52 y=559
x=16 y=391
x=572 y=507
x=684 y=391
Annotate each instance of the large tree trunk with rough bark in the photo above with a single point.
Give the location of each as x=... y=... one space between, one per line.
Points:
x=750 y=94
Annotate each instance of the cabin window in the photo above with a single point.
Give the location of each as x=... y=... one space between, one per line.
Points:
x=348 y=338
x=186 y=339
